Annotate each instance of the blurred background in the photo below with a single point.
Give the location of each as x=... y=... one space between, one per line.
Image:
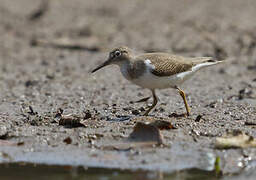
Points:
x=200 y=27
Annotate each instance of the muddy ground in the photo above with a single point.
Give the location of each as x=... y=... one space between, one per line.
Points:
x=47 y=49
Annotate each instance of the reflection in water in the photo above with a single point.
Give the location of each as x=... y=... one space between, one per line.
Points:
x=25 y=171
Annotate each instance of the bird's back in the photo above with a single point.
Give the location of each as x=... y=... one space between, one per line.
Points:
x=165 y=64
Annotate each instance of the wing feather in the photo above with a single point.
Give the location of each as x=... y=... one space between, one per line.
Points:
x=166 y=64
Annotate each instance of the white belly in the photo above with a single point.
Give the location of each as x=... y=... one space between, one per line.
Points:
x=151 y=81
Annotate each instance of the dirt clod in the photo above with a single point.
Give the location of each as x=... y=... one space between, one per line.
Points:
x=135 y=112
x=87 y=114
x=198 y=118
x=38 y=13
x=71 y=121
x=146 y=132
x=163 y=125
x=67 y=140
x=250 y=123
x=3 y=133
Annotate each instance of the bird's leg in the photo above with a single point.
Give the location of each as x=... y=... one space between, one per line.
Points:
x=183 y=95
x=143 y=100
x=155 y=100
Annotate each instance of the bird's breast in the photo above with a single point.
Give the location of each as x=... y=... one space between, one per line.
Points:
x=133 y=70
x=125 y=72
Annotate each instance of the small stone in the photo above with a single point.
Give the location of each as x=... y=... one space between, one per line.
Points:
x=161 y=109
x=198 y=118
x=212 y=104
x=250 y=123
x=67 y=140
x=126 y=108
x=87 y=114
x=142 y=109
x=3 y=132
x=135 y=112
x=30 y=83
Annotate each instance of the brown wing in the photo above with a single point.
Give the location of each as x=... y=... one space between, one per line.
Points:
x=167 y=64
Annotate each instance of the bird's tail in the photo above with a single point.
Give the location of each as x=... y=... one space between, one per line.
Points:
x=200 y=62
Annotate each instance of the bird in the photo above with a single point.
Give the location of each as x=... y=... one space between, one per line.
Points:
x=157 y=70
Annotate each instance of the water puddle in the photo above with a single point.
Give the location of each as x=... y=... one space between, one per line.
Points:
x=27 y=171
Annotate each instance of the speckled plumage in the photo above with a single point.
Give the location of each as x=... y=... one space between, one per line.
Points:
x=167 y=64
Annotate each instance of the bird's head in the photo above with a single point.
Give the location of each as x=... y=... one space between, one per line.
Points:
x=116 y=56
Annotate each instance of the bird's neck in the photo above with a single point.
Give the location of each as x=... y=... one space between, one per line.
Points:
x=126 y=68
x=133 y=69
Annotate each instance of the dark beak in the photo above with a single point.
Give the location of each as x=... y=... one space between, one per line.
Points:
x=100 y=66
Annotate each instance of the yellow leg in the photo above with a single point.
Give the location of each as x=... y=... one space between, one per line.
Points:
x=155 y=100
x=183 y=95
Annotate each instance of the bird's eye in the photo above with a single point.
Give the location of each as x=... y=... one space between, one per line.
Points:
x=117 y=53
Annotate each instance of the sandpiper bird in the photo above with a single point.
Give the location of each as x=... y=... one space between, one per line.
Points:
x=156 y=70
